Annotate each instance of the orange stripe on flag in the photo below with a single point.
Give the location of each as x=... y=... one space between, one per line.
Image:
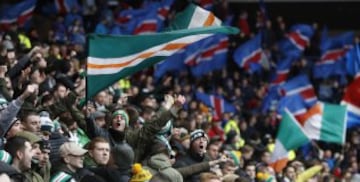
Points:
x=119 y=65
x=174 y=46
x=145 y=55
x=316 y=109
x=279 y=165
x=209 y=21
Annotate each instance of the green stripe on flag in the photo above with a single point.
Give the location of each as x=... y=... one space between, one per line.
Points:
x=290 y=133
x=182 y=19
x=111 y=46
x=105 y=46
x=333 y=123
x=96 y=83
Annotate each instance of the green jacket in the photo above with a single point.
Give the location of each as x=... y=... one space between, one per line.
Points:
x=160 y=163
x=33 y=176
x=45 y=171
x=142 y=139
x=89 y=162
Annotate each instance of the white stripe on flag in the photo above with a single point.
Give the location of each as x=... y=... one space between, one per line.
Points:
x=279 y=152
x=312 y=126
x=157 y=52
x=200 y=16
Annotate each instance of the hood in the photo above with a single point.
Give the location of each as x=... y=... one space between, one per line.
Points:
x=159 y=161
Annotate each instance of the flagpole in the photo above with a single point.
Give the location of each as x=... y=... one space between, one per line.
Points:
x=86 y=76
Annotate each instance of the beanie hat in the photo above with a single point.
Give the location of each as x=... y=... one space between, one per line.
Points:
x=235 y=156
x=46 y=123
x=123 y=114
x=7 y=126
x=140 y=174
x=29 y=136
x=198 y=134
x=123 y=156
x=5 y=157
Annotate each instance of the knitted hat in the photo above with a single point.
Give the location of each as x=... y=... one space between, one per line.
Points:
x=235 y=156
x=5 y=157
x=30 y=136
x=46 y=123
x=198 y=134
x=7 y=126
x=123 y=156
x=123 y=115
x=140 y=174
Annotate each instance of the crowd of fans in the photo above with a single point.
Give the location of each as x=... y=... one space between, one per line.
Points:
x=140 y=129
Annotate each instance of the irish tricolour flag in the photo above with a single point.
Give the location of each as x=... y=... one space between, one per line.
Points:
x=290 y=136
x=325 y=122
x=192 y=17
x=114 y=57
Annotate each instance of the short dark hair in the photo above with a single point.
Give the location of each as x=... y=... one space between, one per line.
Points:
x=25 y=115
x=94 y=141
x=15 y=144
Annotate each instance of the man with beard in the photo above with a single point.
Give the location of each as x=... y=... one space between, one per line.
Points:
x=21 y=151
x=32 y=174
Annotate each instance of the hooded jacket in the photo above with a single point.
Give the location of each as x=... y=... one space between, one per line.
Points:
x=160 y=163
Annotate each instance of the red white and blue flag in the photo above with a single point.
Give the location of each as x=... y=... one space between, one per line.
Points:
x=18 y=13
x=299 y=85
x=65 y=6
x=351 y=99
x=219 y=105
x=333 y=51
x=250 y=53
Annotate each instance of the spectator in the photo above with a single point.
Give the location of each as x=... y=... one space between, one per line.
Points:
x=31 y=122
x=33 y=173
x=98 y=153
x=72 y=157
x=196 y=153
x=21 y=150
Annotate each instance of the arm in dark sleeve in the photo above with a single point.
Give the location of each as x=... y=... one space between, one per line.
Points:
x=194 y=169
x=16 y=70
x=95 y=131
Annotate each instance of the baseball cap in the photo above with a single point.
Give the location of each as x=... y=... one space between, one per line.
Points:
x=29 y=136
x=71 y=148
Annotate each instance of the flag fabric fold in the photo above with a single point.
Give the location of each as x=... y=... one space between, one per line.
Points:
x=219 y=105
x=290 y=136
x=325 y=122
x=192 y=17
x=114 y=57
x=351 y=99
x=18 y=13
x=299 y=85
x=250 y=53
